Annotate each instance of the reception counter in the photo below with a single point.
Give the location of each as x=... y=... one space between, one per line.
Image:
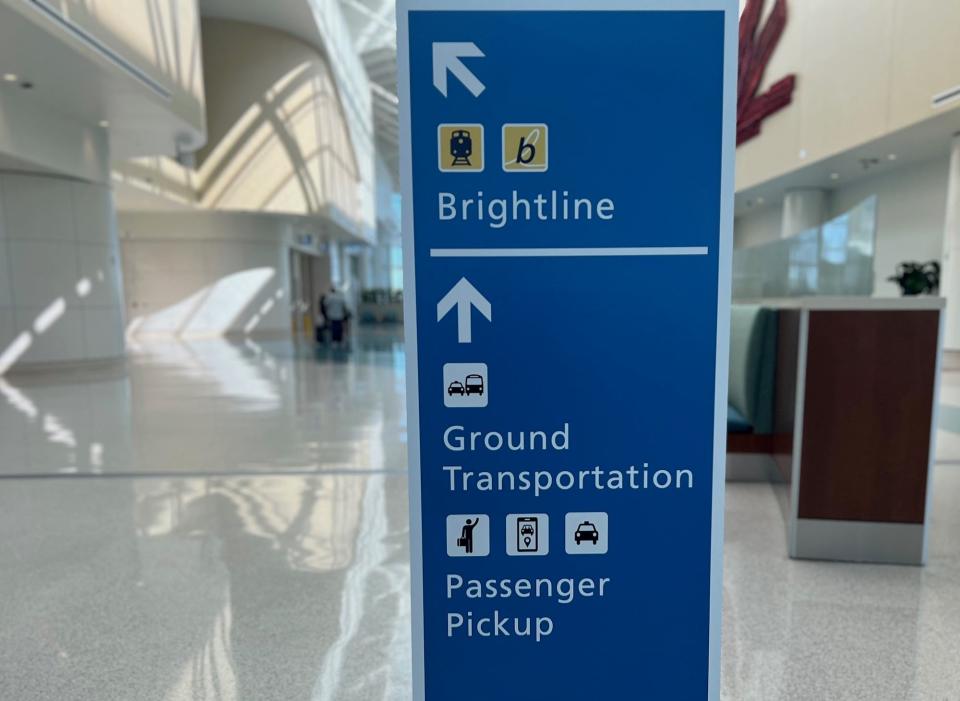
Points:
x=856 y=406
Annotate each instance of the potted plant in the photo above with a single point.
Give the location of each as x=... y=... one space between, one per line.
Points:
x=917 y=278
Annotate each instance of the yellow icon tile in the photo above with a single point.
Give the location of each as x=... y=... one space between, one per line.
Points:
x=460 y=148
x=525 y=148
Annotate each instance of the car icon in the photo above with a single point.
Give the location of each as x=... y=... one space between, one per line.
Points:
x=526 y=529
x=475 y=384
x=586 y=531
x=455 y=388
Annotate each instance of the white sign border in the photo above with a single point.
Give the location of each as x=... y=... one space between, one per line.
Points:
x=724 y=260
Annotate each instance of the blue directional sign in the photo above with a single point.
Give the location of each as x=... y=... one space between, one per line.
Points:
x=567 y=214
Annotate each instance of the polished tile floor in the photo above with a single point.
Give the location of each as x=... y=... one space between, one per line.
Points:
x=227 y=521
x=211 y=407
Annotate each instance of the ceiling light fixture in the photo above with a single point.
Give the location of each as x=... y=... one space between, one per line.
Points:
x=834 y=176
x=892 y=157
x=10 y=77
x=104 y=123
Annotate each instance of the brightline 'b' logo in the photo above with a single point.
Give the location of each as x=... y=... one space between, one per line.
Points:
x=525 y=148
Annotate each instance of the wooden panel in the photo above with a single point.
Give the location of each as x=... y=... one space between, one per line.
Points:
x=867 y=413
x=749 y=443
x=785 y=392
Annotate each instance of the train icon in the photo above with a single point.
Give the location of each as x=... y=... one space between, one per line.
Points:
x=460 y=148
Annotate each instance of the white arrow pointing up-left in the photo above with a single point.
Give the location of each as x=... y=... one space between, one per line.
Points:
x=446 y=57
x=463 y=296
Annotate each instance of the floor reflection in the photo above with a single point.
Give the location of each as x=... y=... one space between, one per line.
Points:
x=216 y=575
x=213 y=406
x=199 y=589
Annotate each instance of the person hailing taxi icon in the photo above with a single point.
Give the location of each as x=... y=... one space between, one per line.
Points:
x=461 y=147
x=465 y=540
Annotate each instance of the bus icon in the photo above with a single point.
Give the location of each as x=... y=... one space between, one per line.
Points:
x=474 y=384
x=465 y=385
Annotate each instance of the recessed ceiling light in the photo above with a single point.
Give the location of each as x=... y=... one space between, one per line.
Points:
x=104 y=123
x=892 y=157
x=834 y=176
x=10 y=77
x=760 y=200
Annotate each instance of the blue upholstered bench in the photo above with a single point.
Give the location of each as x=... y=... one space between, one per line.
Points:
x=753 y=360
x=750 y=410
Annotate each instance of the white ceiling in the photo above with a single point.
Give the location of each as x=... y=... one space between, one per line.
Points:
x=76 y=80
x=918 y=143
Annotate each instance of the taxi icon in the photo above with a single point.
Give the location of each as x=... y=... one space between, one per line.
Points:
x=455 y=388
x=586 y=531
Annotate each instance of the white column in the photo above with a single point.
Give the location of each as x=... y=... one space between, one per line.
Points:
x=950 y=274
x=802 y=209
x=366 y=269
x=61 y=300
x=381 y=264
x=336 y=264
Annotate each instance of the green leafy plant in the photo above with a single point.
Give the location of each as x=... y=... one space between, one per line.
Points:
x=917 y=278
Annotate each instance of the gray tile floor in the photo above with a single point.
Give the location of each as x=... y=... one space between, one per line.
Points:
x=228 y=522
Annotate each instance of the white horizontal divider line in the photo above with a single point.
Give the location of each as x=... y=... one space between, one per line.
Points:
x=610 y=251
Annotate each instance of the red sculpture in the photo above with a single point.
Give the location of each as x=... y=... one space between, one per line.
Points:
x=755 y=53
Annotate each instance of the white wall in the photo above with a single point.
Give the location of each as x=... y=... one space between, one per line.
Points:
x=865 y=68
x=200 y=274
x=759 y=226
x=61 y=298
x=31 y=133
x=911 y=212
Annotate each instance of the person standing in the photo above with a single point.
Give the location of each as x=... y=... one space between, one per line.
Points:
x=336 y=312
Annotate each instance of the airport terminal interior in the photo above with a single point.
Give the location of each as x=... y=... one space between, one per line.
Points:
x=203 y=385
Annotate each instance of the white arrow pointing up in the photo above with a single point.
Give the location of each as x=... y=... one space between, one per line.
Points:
x=446 y=57
x=463 y=296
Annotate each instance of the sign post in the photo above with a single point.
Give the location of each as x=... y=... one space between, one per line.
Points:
x=567 y=220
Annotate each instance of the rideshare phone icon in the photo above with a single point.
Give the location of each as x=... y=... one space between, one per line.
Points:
x=528 y=532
